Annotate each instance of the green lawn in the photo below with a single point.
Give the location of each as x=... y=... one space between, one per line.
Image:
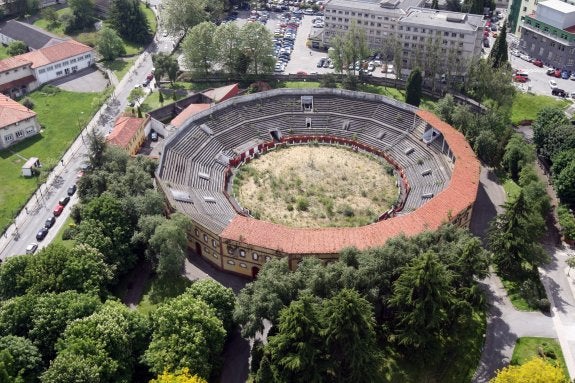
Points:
x=528 y=348
x=58 y=238
x=152 y=101
x=151 y=16
x=120 y=66
x=514 y=285
x=511 y=189
x=158 y=291
x=57 y=29
x=3 y=52
x=59 y=115
x=526 y=106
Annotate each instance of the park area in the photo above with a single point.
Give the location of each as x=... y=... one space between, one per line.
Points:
x=60 y=126
x=316 y=186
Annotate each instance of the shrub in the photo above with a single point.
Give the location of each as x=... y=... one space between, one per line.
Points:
x=69 y=233
x=302 y=204
x=346 y=210
x=545 y=306
x=567 y=222
x=28 y=103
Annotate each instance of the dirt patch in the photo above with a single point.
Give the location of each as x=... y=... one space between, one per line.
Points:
x=316 y=186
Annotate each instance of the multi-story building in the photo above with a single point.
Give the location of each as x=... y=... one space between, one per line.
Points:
x=549 y=34
x=453 y=36
x=16 y=122
x=128 y=134
x=23 y=73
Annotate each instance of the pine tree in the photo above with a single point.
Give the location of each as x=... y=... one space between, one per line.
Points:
x=498 y=55
x=435 y=4
x=413 y=89
x=161 y=97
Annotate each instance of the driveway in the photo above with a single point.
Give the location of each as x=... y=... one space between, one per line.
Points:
x=88 y=80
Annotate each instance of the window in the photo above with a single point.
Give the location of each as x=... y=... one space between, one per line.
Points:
x=59 y=73
x=255 y=256
x=214 y=243
x=454 y=35
x=230 y=250
x=65 y=63
x=215 y=255
x=445 y=33
x=8 y=137
x=42 y=71
x=80 y=58
x=205 y=238
x=30 y=129
x=242 y=253
x=243 y=265
x=72 y=60
x=230 y=262
x=19 y=134
x=59 y=65
x=86 y=56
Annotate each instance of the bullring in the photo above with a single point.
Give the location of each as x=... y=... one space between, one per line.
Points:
x=437 y=172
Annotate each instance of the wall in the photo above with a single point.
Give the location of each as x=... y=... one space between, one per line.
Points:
x=63 y=68
x=17 y=132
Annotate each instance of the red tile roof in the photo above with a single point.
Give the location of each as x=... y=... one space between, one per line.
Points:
x=13 y=63
x=222 y=93
x=458 y=196
x=17 y=83
x=12 y=112
x=188 y=112
x=55 y=53
x=124 y=130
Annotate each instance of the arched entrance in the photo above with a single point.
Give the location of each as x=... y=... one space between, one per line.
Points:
x=255 y=271
x=198 y=249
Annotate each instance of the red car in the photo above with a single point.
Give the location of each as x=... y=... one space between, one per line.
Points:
x=538 y=63
x=58 y=210
x=557 y=73
x=517 y=78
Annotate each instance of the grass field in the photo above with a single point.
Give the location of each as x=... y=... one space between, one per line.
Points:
x=528 y=348
x=526 y=106
x=60 y=127
x=58 y=28
x=120 y=66
x=316 y=186
x=3 y=52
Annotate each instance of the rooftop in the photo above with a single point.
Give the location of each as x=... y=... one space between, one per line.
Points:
x=55 y=53
x=191 y=110
x=558 y=5
x=222 y=93
x=124 y=130
x=13 y=63
x=12 y=112
x=432 y=17
x=375 y=6
x=35 y=38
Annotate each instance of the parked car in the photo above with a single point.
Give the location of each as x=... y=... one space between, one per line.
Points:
x=58 y=210
x=515 y=52
x=31 y=248
x=550 y=72
x=518 y=78
x=493 y=27
x=553 y=84
x=525 y=57
x=64 y=201
x=41 y=234
x=565 y=74
x=320 y=63
x=538 y=63
x=72 y=189
x=50 y=222
x=558 y=92
x=486 y=42
x=154 y=136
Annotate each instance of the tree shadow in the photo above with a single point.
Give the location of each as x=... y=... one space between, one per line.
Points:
x=236 y=355
x=235 y=282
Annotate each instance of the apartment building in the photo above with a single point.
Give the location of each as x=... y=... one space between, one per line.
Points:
x=549 y=34
x=453 y=36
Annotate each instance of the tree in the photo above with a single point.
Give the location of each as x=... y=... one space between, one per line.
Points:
x=565 y=184
x=256 y=42
x=328 y=81
x=136 y=95
x=513 y=236
x=413 y=88
x=498 y=54
x=226 y=39
x=487 y=148
x=83 y=15
x=349 y=48
x=559 y=138
x=349 y=336
x=161 y=98
x=96 y=147
x=50 y=15
x=547 y=119
x=129 y=20
x=110 y=45
x=199 y=47
x=25 y=359
x=423 y=299
x=487 y=83
x=518 y=154
x=296 y=352
x=182 y=376
x=536 y=370
x=16 y=48
x=434 y=4
x=567 y=223
x=186 y=333
x=168 y=246
x=165 y=66
x=218 y=297
x=179 y=16
x=111 y=340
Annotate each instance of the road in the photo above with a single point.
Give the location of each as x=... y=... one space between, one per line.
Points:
x=40 y=206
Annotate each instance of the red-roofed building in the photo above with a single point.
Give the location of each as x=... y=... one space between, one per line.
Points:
x=128 y=134
x=26 y=72
x=222 y=93
x=16 y=122
x=190 y=110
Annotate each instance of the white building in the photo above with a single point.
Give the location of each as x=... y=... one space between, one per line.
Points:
x=16 y=122
x=26 y=72
x=456 y=36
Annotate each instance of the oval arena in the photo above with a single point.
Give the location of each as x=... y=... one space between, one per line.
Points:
x=437 y=171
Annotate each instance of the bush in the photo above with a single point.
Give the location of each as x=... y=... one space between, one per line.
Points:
x=545 y=306
x=28 y=103
x=302 y=204
x=567 y=222
x=69 y=233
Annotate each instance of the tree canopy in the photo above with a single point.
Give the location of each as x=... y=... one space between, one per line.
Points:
x=129 y=20
x=110 y=45
x=535 y=371
x=413 y=88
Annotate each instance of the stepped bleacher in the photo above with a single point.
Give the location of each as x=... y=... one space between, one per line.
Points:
x=233 y=127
